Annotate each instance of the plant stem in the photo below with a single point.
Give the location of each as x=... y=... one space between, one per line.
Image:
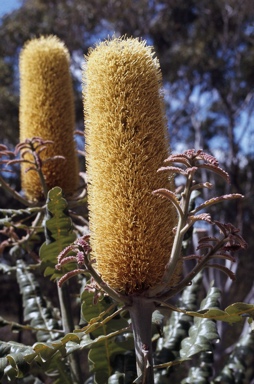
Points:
x=13 y=193
x=141 y=317
x=43 y=182
x=68 y=326
x=177 y=245
x=118 y=297
x=187 y=280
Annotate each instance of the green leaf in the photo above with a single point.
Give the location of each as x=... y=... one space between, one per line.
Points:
x=16 y=359
x=116 y=378
x=106 y=342
x=106 y=346
x=239 y=367
x=157 y=320
x=125 y=369
x=203 y=332
x=36 y=309
x=178 y=326
x=58 y=232
x=19 y=364
x=202 y=372
x=13 y=359
x=233 y=313
x=6 y=268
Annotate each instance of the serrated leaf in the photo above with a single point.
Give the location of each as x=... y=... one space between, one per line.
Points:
x=72 y=346
x=239 y=367
x=18 y=363
x=116 y=378
x=44 y=351
x=157 y=320
x=203 y=331
x=201 y=373
x=6 y=268
x=232 y=314
x=37 y=311
x=3 y=365
x=104 y=347
x=178 y=326
x=14 y=361
x=58 y=232
x=70 y=337
x=11 y=373
x=17 y=359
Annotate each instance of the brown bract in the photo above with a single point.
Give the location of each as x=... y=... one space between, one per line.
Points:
x=126 y=142
x=47 y=111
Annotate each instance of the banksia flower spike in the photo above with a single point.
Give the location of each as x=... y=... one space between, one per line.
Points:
x=126 y=142
x=47 y=111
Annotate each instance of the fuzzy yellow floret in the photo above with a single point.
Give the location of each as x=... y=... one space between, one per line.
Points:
x=47 y=111
x=126 y=142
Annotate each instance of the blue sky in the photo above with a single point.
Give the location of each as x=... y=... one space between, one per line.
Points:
x=7 y=6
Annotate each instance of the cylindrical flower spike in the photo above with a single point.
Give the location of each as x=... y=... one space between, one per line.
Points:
x=126 y=142
x=47 y=111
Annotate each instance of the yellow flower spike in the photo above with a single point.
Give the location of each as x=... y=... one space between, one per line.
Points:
x=47 y=111
x=126 y=142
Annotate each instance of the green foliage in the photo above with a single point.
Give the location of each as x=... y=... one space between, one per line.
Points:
x=12 y=357
x=239 y=367
x=37 y=310
x=232 y=314
x=106 y=332
x=202 y=371
x=18 y=360
x=104 y=349
x=102 y=335
x=203 y=332
x=178 y=325
x=58 y=232
x=185 y=338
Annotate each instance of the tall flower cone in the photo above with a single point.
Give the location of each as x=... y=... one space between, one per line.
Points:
x=126 y=142
x=47 y=111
